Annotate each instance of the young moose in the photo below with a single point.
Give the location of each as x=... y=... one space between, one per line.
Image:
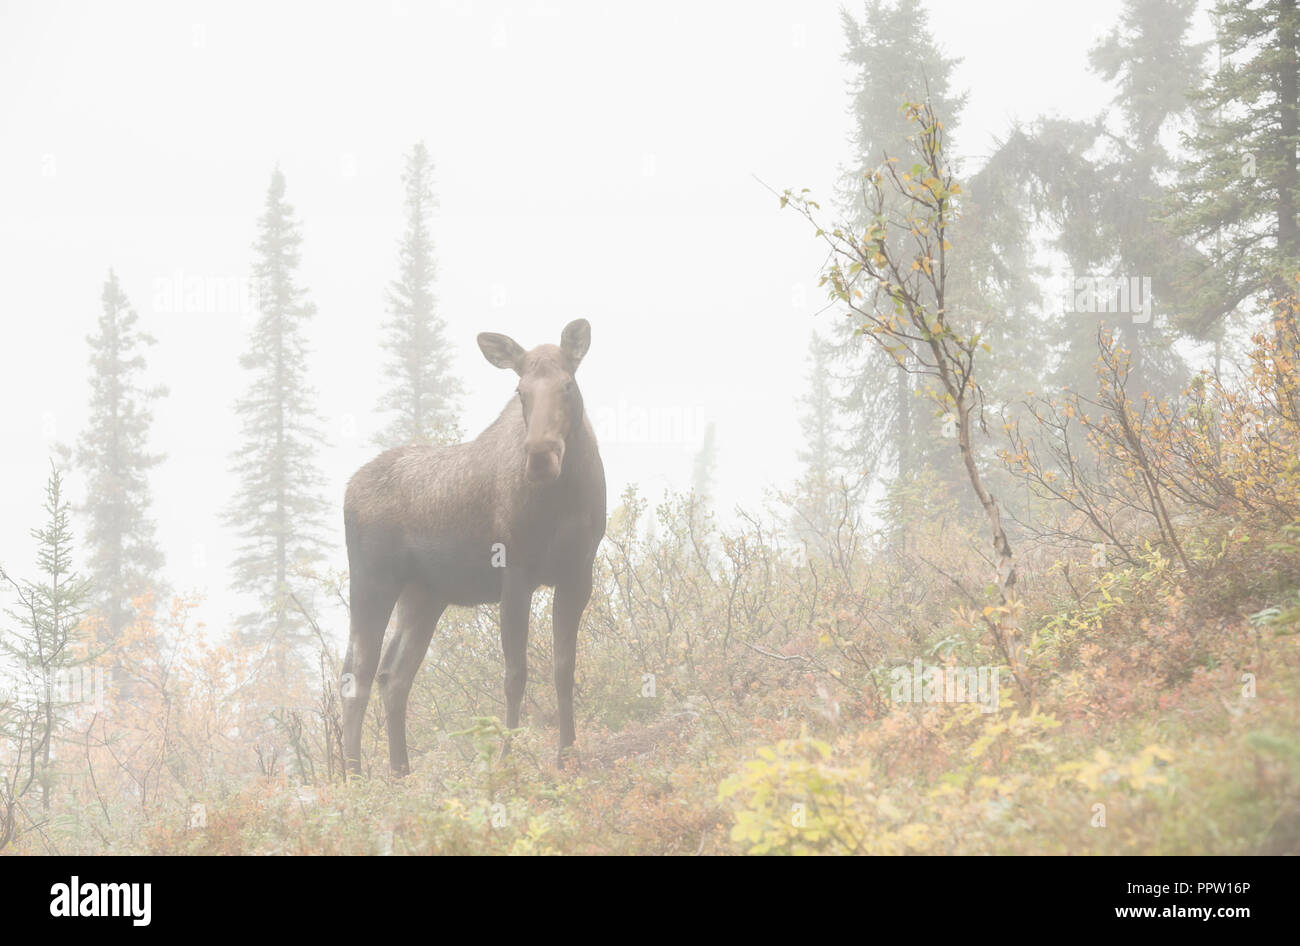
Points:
x=523 y=505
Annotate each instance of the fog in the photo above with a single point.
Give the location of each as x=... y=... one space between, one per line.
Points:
x=898 y=453
x=591 y=161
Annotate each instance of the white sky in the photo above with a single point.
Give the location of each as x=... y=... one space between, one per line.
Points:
x=593 y=160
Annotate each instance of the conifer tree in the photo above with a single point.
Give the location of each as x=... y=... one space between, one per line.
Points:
x=706 y=459
x=813 y=505
x=123 y=554
x=1103 y=185
x=894 y=59
x=1154 y=66
x=42 y=645
x=278 y=510
x=1239 y=193
x=422 y=395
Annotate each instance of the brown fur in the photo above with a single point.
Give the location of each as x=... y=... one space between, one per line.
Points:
x=424 y=525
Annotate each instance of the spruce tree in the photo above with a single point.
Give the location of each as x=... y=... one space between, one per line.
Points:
x=891 y=433
x=817 y=420
x=124 y=558
x=422 y=395
x=706 y=459
x=813 y=505
x=1239 y=192
x=1103 y=185
x=993 y=284
x=1154 y=66
x=278 y=510
x=43 y=645
x=894 y=59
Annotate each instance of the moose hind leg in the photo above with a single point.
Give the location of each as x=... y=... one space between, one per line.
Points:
x=371 y=606
x=417 y=616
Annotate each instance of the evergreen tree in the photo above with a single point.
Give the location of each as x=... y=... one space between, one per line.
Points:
x=1238 y=195
x=817 y=418
x=814 y=503
x=43 y=645
x=1103 y=184
x=124 y=557
x=993 y=284
x=278 y=510
x=894 y=59
x=706 y=459
x=1154 y=66
x=422 y=393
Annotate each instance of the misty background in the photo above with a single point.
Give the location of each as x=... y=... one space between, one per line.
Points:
x=591 y=161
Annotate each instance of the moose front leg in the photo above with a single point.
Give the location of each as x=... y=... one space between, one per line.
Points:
x=516 y=602
x=570 y=600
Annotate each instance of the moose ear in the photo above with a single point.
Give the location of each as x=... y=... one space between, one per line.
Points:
x=576 y=339
x=501 y=350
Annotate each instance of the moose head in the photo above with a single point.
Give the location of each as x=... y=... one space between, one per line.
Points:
x=548 y=394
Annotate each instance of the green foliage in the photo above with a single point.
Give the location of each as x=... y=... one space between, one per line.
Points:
x=894 y=59
x=123 y=554
x=703 y=469
x=1103 y=184
x=278 y=509
x=43 y=645
x=422 y=395
x=1237 y=197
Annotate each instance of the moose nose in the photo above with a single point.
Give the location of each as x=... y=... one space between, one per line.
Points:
x=544 y=459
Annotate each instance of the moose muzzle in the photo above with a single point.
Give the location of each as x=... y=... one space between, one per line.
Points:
x=545 y=458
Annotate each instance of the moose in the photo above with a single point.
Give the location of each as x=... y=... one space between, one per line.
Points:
x=487 y=521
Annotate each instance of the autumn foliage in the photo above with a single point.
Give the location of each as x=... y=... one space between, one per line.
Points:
x=737 y=690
